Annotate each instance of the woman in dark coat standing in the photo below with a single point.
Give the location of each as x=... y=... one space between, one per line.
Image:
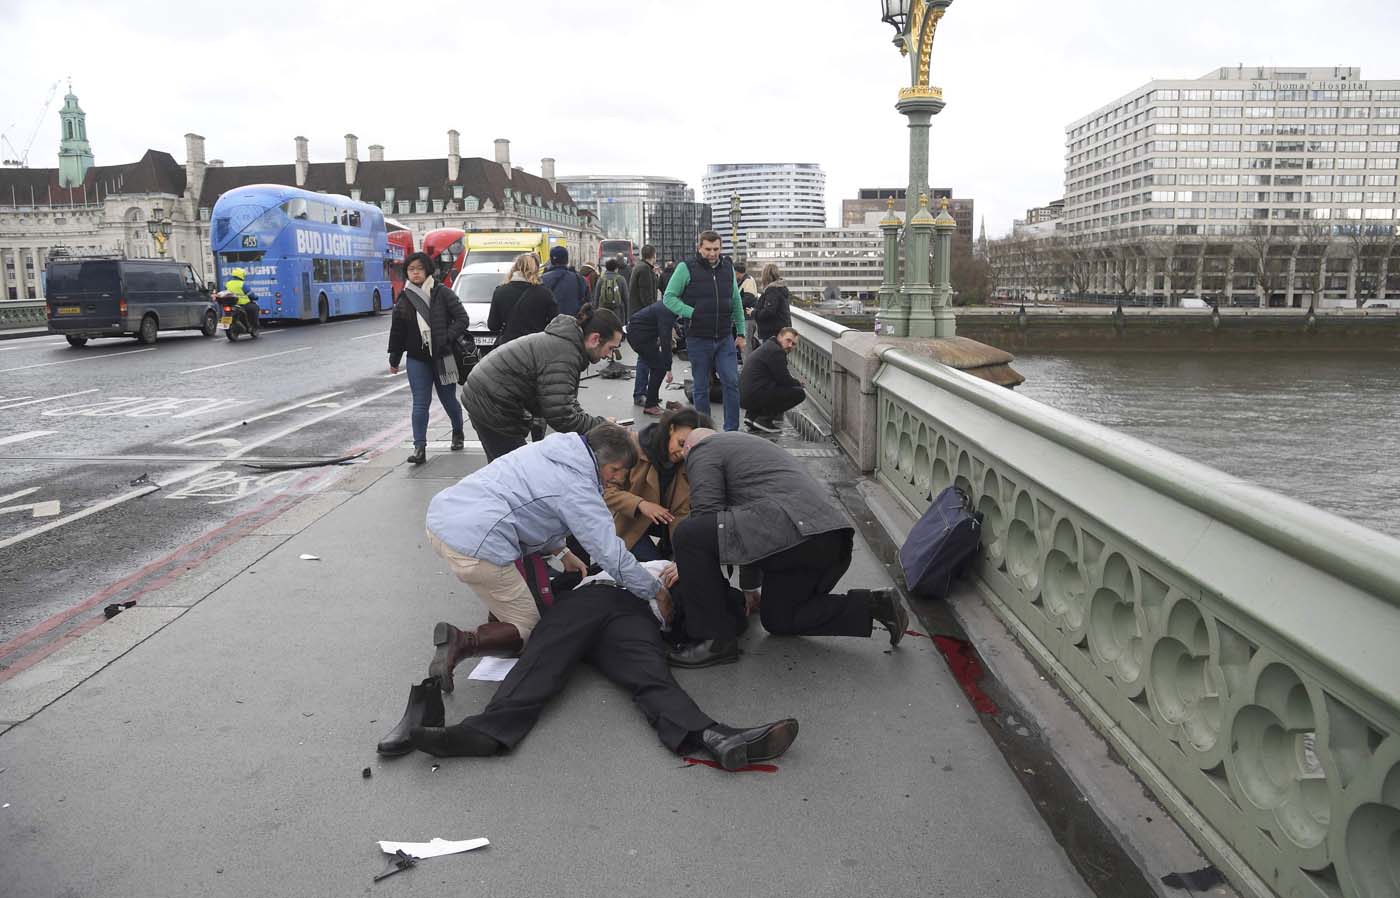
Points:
x=521 y=304
x=772 y=311
x=427 y=339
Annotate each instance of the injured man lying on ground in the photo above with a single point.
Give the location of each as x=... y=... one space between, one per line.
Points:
x=620 y=635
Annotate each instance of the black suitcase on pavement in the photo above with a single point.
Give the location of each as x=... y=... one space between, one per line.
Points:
x=941 y=545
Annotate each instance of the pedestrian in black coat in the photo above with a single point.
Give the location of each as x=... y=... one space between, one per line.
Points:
x=521 y=305
x=772 y=311
x=428 y=342
x=767 y=388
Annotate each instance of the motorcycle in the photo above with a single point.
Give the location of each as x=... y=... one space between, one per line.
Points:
x=235 y=320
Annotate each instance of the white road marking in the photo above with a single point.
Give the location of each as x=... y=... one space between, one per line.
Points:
x=86 y=358
x=186 y=474
x=21 y=437
x=368 y=336
x=46 y=509
x=6 y=405
x=190 y=440
x=254 y=358
x=324 y=405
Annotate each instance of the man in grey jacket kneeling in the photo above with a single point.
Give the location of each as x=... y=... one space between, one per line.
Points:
x=525 y=503
x=752 y=504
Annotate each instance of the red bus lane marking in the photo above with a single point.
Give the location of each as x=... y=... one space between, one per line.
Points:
x=213 y=541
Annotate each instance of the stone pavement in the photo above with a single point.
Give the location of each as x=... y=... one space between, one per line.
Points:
x=222 y=753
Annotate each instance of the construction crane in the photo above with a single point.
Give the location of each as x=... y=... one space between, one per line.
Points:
x=21 y=159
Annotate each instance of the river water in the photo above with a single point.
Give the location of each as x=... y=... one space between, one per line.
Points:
x=1320 y=427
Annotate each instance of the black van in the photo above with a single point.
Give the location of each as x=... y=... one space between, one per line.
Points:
x=114 y=297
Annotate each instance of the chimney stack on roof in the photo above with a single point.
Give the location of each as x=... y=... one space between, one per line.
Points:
x=352 y=158
x=194 y=165
x=454 y=155
x=216 y=163
x=503 y=153
x=376 y=152
x=303 y=161
x=547 y=170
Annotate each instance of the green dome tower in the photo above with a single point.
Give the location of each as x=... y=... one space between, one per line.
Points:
x=74 y=152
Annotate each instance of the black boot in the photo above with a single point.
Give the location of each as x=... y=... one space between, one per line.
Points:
x=420 y=454
x=456 y=741
x=424 y=709
x=459 y=441
x=705 y=654
x=734 y=748
x=887 y=610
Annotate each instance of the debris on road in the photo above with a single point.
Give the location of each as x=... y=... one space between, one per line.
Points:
x=366 y=773
x=114 y=609
x=397 y=864
x=319 y=463
x=305 y=556
x=747 y=768
x=436 y=848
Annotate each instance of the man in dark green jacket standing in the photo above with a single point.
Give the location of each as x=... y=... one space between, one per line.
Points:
x=702 y=290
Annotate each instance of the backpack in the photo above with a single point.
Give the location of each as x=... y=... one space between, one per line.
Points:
x=610 y=294
x=941 y=545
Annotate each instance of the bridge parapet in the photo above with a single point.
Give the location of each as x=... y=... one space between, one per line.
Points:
x=1240 y=650
x=16 y=313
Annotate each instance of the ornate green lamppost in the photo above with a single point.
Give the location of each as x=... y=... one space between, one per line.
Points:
x=735 y=213
x=889 y=286
x=915 y=22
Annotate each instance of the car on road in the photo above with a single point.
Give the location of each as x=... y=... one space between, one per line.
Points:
x=90 y=298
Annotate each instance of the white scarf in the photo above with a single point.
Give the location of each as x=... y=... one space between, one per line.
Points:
x=425 y=293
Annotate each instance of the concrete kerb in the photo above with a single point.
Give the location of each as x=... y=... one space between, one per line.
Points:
x=1141 y=827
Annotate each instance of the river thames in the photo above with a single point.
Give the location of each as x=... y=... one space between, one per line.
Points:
x=1323 y=428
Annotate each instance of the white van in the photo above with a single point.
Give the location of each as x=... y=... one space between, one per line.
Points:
x=1381 y=304
x=1194 y=302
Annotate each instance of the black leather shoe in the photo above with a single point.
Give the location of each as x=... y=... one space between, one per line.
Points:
x=420 y=454
x=705 y=654
x=424 y=709
x=734 y=748
x=456 y=741
x=886 y=609
x=459 y=441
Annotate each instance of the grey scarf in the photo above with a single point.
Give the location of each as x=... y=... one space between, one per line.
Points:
x=425 y=293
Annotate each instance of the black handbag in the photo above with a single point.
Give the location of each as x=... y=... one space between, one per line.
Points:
x=463 y=348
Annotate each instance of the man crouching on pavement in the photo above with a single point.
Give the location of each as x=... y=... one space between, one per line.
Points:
x=754 y=505
x=528 y=502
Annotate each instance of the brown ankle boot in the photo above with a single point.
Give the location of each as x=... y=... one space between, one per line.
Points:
x=499 y=640
x=491 y=638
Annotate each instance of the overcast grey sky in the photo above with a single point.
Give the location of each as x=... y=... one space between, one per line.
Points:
x=617 y=88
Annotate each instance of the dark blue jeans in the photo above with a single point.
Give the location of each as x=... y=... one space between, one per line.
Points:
x=423 y=382
x=719 y=356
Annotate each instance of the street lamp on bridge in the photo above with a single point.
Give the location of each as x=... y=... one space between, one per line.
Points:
x=914 y=308
x=160 y=227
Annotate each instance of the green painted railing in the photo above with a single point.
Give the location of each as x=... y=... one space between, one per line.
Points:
x=1240 y=649
x=22 y=313
x=812 y=357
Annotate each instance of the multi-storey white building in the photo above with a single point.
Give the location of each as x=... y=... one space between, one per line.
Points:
x=810 y=260
x=771 y=194
x=1295 y=157
x=1239 y=146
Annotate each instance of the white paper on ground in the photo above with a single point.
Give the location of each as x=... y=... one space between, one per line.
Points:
x=436 y=848
x=493 y=670
x=306 y=557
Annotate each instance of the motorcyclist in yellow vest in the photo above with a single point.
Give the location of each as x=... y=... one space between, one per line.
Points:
x=247 y=301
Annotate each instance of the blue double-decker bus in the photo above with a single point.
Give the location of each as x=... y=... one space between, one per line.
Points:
x=307 y=255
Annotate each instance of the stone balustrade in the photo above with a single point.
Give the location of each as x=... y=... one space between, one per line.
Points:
x=22 y=313
x=1240 y=650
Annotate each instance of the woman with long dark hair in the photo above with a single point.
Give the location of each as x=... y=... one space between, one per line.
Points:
x=427 y=319
x=656 y=495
